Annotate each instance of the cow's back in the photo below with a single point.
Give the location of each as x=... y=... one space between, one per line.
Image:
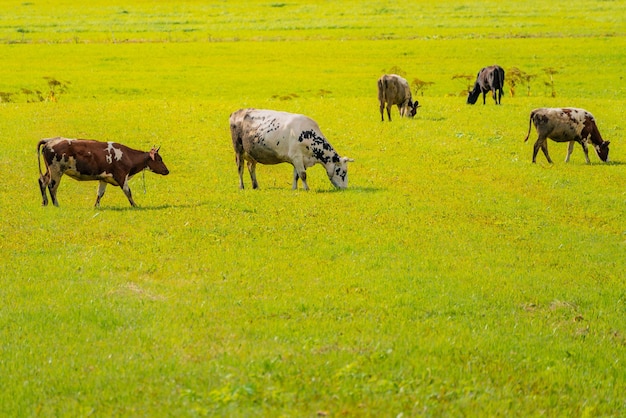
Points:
x=561 y=124
x=393 y=89
x=270 y=136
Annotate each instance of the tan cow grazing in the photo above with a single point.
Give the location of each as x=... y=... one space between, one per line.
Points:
x=567 y=125
x=81 y=159
x=394 y=90
x=272 y=137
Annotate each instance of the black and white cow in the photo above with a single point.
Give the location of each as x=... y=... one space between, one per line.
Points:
x=567 y=125
x=488 y=79
x=273 y=137
x=394 y=90
x=81 y=159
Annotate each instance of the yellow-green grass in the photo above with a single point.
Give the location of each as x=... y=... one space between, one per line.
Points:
x=452 y=277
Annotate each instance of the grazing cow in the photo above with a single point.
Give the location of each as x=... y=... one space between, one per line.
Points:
x=394 y=90
x=488 y=79
x=81 y=159
x=567 y=125
x=272 y=137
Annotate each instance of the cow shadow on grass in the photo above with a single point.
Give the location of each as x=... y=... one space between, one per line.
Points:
x=357 y=189
x=151 y=208
x=350 y=189
x=603 y=164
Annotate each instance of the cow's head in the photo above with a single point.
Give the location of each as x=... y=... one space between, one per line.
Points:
x=338 y=172
x=473 y=96
x=155 y=162
x=603 y=150
x=413 y=108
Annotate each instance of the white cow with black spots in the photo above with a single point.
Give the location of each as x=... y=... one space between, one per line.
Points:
x=273 y=137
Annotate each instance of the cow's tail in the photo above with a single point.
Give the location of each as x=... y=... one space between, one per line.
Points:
x=39 y=145
x=381 y=89
x=530 y=123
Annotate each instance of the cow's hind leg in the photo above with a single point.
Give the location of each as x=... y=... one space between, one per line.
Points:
x=44 y=179
x=53 y=186
x=239 y=161
x=389 y=112
x=101 y=189
x=543 y=144
x=252 y=171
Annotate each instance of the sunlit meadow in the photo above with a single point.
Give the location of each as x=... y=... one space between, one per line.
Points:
x=452 y=278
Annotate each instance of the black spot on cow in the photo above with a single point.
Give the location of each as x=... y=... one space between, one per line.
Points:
x=341 y=173
x=320 y=155
x=307 y=135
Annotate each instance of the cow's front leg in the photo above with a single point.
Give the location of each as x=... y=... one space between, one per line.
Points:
x=101 y=189
x=295 y=179
x=128 y=194
x=570 y=149
x=299 y=173
x=585 y=148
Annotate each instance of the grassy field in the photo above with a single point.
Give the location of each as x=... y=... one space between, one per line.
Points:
x=452 y=278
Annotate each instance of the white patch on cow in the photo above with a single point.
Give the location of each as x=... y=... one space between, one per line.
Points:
x=113 y=152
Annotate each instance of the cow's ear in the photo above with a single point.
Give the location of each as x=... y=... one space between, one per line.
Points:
x=606 y=144
x=347 y=160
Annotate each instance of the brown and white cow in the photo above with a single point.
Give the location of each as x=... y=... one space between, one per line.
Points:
x=394 y=90
x=488 y=79
x=81 y=159
x=273 y=137
x=567 y=125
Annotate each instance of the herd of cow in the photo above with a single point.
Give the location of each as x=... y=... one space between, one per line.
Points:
x=273 y=137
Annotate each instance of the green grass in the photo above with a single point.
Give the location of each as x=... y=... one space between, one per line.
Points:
x=453 y=277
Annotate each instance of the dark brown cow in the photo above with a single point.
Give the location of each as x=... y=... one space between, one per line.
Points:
x=394 y=90
x=488 y=79
x=567 y=125
x=81 y=159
